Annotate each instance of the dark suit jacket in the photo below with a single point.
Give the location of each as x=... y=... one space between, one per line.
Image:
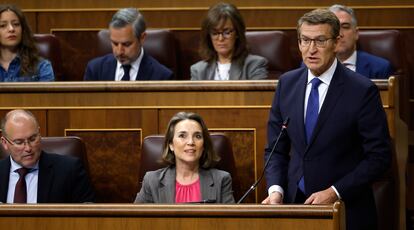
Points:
x=350 y=146
x=373 y=67
x=103 y=69
x=159 y=186
x=62 y=179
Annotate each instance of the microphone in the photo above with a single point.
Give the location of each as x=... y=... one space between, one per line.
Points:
x=254 y=185
x=208 y=201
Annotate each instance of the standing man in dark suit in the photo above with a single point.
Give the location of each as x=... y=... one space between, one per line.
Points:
x=128 y=61
x=30 y=175
x=366 y=64
x=337 y=141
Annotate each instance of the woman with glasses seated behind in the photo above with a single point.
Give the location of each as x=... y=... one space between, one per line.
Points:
x=19 y=59
x=188 y=150
x=224 y=49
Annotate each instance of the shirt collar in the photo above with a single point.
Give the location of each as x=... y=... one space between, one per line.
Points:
x=135 y=64
x=352 y=59
x=14 y=165
x=325 y=77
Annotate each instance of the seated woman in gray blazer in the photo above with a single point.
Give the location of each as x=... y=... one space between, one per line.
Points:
x=223 y=48
x=189 y=177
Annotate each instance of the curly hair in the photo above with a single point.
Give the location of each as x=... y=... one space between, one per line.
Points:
x=27 y=50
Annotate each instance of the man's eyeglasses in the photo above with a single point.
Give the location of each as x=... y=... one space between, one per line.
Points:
x=21 y=143
x=225 y=33
x=319 y=42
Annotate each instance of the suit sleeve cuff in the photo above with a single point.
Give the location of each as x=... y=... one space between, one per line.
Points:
x=275 y=188
x=336 y=191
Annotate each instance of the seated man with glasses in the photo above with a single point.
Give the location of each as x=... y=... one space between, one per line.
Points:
x=224 y=49
x=31 y=175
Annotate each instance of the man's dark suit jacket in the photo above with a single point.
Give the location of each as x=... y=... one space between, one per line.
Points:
x=350 y=146
x=62 y=179
x=373 y=67
x=103 y=69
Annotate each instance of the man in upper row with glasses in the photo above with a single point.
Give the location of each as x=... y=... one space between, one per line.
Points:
x=337 y=141
x=128 y=61
x=359 y=61
x=223 y=48
x=31 y=175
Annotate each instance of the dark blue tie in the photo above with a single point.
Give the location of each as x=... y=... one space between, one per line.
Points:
x=126 y=72
x=312 y=111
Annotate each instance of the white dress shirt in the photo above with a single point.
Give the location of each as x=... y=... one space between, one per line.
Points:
x=222 y=71
x=119 y=73
x=350 y=63
x=31 y=182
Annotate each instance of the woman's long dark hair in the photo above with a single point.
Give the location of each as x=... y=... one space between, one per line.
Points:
x=27 y=50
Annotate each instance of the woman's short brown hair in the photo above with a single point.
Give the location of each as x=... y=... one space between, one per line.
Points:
x=217 y=14
x=208 y=157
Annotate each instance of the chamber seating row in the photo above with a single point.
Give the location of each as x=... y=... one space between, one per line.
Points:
x=384 y=189
x=279 y=47
x=151 y=154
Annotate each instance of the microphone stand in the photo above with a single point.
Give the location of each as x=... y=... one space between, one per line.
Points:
x=254 y=185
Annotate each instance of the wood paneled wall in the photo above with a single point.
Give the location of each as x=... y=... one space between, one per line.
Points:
x=51 y=4
x=263 y=17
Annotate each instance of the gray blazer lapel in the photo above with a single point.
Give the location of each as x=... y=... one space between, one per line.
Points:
x=166 y=190
x=235 y=71
x=207 y=185
x=211 y=70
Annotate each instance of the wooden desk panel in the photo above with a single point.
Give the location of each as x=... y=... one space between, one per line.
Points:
x=208 y=217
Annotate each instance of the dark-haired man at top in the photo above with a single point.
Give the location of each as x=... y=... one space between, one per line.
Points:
x=128 y=61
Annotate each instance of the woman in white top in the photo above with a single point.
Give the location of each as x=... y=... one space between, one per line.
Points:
x=224 y=50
